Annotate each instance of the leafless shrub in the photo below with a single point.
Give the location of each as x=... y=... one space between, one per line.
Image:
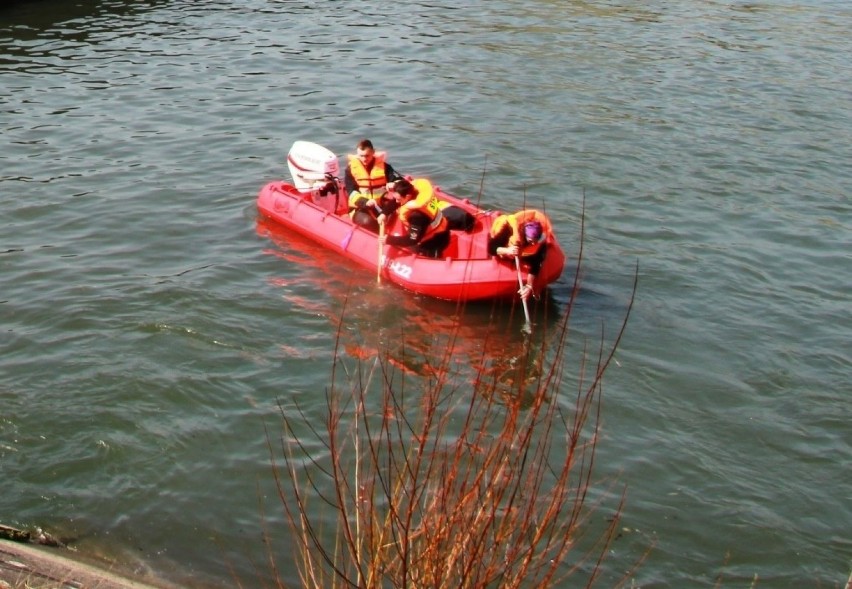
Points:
x=434 y=482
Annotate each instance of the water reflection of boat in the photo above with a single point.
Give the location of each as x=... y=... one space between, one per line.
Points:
x=480 y=343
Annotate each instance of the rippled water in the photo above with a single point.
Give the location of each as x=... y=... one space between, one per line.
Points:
x=150 y=324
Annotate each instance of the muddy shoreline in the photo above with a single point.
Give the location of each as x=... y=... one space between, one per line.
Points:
x=40 y=566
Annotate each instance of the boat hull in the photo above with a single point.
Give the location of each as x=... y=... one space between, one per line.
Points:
x=465 y=272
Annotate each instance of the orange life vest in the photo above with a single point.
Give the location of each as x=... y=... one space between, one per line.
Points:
x=425 y=203
x=517 y=221
x=372 y=182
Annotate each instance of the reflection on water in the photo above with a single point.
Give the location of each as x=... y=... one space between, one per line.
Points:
x=480 y=344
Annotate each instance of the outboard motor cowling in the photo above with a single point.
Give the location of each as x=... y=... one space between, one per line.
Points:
x=312 y=166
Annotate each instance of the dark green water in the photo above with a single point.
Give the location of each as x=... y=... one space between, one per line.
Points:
x=150 y=325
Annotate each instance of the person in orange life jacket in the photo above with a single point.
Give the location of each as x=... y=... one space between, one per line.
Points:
x=523 y=234
x=367 y=179
x=425 y=227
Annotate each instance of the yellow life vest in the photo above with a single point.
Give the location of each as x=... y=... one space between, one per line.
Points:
x=425 y=203
x=517 y=221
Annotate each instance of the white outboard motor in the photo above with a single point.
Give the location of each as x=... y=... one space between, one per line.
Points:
x=312 y=166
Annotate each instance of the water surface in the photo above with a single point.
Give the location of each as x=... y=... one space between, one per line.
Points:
x=150 y=324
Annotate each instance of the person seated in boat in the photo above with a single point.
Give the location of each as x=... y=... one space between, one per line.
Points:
x=523 y=235
x=424 y=225
x=367 y=178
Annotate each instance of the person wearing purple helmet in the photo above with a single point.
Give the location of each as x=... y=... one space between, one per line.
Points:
x=523 y=235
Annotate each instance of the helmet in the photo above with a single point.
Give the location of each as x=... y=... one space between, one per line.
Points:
x=533 y=232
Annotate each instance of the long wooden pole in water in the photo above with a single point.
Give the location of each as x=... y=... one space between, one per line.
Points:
x=381 y=254
x=521 y=287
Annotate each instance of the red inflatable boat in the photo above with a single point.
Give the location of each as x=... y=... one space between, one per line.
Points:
x=315 y=205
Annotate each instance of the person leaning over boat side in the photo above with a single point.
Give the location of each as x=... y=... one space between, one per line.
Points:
x=523 y=234
x=426 y=228
x=367 y=178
